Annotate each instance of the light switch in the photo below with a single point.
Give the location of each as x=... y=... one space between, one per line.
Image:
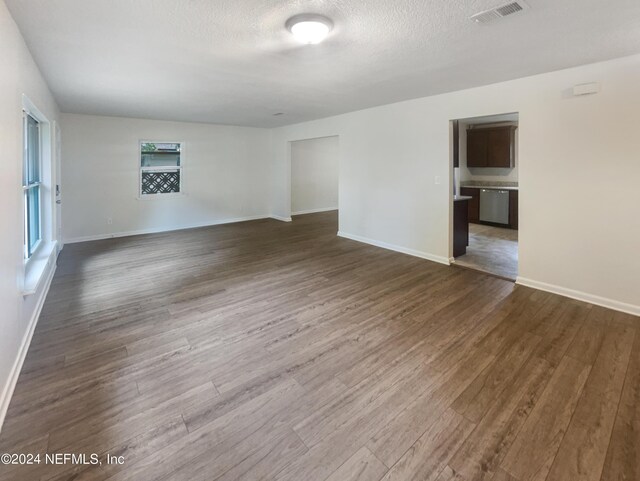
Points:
x=437 y=179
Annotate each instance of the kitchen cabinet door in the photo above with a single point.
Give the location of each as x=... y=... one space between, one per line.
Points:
x=456 y=144
x=500 y=147
x=477 y=141
x=460 y=228
x=474 y=203
x=513 y=209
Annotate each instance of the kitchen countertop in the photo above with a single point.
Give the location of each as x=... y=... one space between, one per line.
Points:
x=456 y=198
x=493 y=187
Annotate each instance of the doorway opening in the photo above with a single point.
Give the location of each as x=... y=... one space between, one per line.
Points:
x=315 y=165
x=485 y=194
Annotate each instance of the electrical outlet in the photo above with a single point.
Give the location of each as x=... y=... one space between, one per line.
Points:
x=109 y=220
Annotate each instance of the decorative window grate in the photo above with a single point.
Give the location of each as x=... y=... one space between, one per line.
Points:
x=160 y=168
x=160 y=182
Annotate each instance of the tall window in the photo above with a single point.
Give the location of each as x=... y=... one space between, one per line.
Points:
x=160 y=168
x=31 y=182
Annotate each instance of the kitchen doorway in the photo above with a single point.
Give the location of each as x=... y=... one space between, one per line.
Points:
x=485 y=194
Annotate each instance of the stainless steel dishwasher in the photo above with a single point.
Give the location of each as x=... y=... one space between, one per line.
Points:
x=494 y=206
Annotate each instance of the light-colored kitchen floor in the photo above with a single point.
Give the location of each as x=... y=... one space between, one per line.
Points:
x=492 y=249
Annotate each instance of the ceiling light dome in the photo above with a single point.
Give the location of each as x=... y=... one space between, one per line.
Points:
x=309 y=28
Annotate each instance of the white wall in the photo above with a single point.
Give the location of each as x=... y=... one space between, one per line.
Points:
x=224 y=172
x=314 y=175
x=18 y=75
x=578 y=176
x=485 y=173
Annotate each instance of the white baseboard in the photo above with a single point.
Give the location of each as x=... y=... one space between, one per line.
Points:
x=280 y=218
x=581 y=296
x=155 y=230
x=9 y=387
x=392 y=247
x=314 y=211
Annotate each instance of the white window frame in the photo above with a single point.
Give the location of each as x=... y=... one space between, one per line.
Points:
x=179 y=168
x=42 y=256
x=26 y=187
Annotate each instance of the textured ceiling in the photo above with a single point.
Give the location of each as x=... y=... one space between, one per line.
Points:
x=233 y=62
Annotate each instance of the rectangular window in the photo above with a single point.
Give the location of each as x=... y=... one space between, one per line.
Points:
x=31 y=183
x=160 y=168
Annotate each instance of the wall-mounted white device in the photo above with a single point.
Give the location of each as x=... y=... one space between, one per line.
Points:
x=586 y=89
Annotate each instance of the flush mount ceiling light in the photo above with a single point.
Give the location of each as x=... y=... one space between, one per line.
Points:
x=309 y=28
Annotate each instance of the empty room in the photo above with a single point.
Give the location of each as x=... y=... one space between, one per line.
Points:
x=326 y=240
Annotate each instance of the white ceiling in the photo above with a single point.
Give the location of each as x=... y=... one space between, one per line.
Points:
x=233 y=62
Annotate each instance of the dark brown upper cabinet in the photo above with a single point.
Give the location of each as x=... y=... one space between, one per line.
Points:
x=477 y=142
x=456 y=144
x=491 y=147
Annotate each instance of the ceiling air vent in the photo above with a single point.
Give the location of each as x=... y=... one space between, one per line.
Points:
x=499 y=12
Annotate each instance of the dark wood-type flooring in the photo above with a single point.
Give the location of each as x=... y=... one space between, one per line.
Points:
x=273 y=351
